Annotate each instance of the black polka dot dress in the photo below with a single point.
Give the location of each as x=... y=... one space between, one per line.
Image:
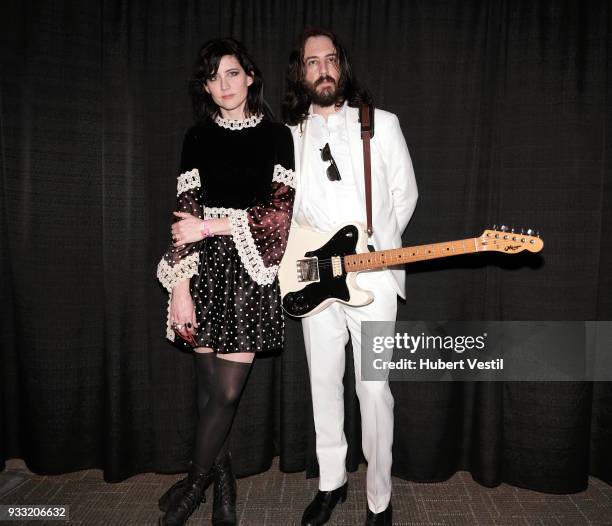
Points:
x=242 y=170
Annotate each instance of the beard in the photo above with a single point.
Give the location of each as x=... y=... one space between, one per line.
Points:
x=325 y=97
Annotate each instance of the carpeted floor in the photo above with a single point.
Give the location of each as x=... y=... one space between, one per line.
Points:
x=274 y=498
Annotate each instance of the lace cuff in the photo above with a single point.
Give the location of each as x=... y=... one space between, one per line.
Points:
x=284 y=176
x=187 y=181
x=169 y=276
x=247 y=250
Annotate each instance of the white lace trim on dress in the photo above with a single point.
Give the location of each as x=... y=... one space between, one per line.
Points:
x=216 y=212
x=238 y=124
x=247 y=250
x=284 y=176
x=244 y=242
x=169 y=276
x=187 y=181
x=169 y=332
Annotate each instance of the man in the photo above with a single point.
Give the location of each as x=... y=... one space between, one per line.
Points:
x=321 y=108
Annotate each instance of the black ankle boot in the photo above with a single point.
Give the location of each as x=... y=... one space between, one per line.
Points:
x=187 y=496
x=224 y=502
x=171 y=494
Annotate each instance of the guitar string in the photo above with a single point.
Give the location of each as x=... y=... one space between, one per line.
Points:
x=324 y=263
x=327 y=261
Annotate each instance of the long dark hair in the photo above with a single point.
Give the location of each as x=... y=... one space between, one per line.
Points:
x=206 y=66
x=297 y=101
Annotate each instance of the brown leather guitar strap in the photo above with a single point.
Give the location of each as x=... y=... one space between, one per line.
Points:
x=366 y=117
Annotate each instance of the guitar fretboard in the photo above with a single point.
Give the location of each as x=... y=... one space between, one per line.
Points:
x=399 y=256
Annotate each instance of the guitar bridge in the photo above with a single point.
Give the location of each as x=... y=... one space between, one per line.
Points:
x=308 y=269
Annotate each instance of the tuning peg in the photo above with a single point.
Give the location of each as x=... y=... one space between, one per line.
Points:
x=495 y=226
x=537 y=233
x=504 y=228
x=522 y=232
x=512 y=230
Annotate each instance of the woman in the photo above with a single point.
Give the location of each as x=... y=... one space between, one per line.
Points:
x=235 y=196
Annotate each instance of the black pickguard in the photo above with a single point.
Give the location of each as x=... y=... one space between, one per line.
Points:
x=343 y=243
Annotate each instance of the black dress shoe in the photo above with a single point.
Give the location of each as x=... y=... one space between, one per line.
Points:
x=384 y=518
x=224 y=501
x=320 y=509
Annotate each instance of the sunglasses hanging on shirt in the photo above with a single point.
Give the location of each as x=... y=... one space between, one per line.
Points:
x=333 y=174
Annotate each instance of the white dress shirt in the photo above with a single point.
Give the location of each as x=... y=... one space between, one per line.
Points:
x=326 y=203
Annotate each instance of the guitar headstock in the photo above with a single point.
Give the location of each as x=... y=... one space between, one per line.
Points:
x=510 y=242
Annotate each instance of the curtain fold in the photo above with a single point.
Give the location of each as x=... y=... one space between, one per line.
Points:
x=504 y=106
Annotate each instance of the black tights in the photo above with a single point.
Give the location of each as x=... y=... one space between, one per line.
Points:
x=220 y=383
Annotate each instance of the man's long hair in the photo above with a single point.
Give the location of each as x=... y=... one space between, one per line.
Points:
x=207 y=65
x=297 y=101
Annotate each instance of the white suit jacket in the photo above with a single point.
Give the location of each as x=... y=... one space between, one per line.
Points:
x=394 y=189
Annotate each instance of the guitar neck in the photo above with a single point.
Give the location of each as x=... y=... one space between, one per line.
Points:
x=400 y=256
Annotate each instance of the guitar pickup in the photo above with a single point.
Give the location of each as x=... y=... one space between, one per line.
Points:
x=308 y=269
x=336 y=266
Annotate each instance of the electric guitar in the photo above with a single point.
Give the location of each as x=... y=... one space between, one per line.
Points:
x=320 y=268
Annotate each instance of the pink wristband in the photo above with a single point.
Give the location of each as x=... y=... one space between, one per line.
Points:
x=206 y=231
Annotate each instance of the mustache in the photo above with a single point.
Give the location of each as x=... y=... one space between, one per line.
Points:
x=322 y=79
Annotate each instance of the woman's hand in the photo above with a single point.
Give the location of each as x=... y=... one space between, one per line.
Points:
x=182 y=312
x=188 y=230
x=191 y=229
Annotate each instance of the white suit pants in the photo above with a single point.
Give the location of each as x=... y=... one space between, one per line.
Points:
x=326 y=335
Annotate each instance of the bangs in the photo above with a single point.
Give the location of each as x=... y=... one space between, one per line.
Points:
x=211 y=66
x=212 y=55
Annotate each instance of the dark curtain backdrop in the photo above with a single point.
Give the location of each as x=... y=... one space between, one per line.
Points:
x=505 y=108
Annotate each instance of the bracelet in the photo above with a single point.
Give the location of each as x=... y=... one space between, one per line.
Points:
x=206 y=231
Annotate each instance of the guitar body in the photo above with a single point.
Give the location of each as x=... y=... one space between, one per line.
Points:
x=312 y=289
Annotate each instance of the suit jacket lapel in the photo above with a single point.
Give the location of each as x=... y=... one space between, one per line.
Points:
x=302 y=141
x=305 y=158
